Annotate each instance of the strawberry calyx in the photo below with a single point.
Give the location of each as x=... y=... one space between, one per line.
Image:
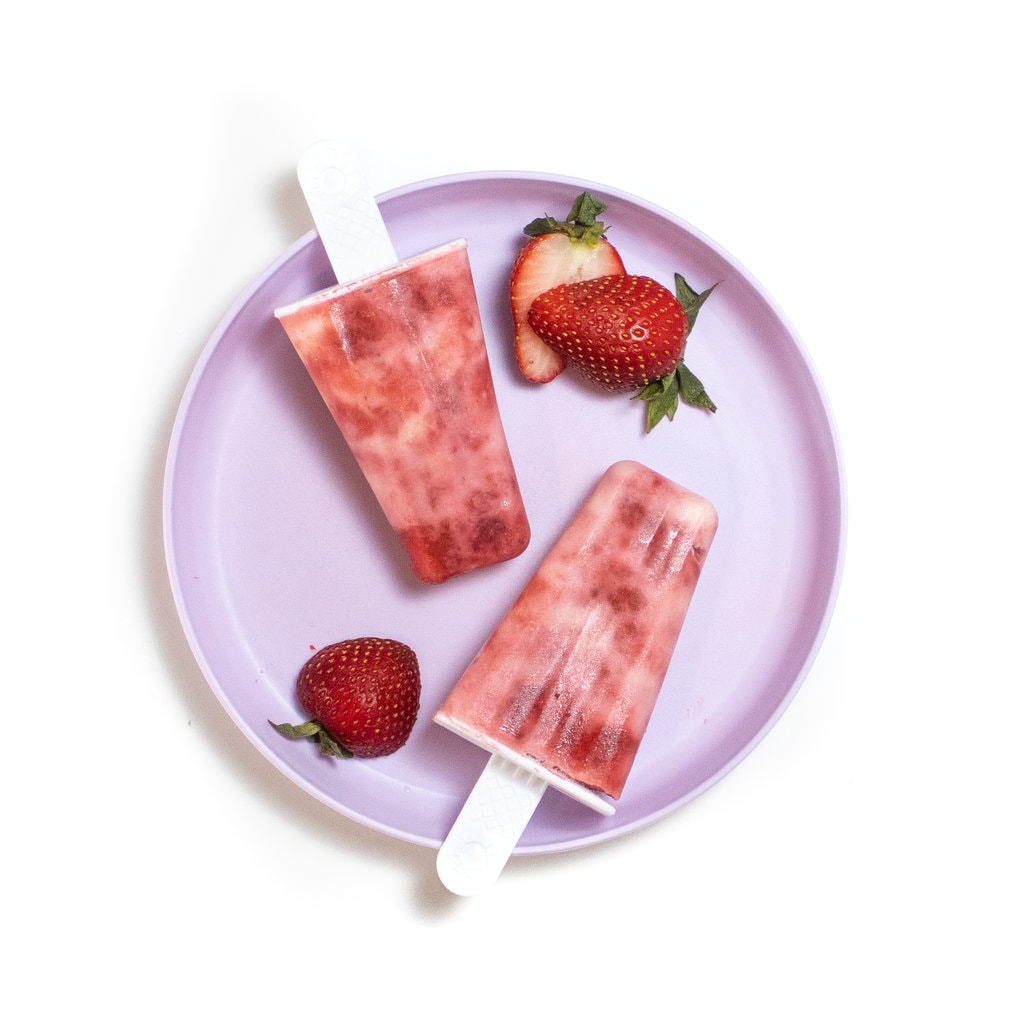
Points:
x=315 y=733
x=581 y=225
x=680 y=384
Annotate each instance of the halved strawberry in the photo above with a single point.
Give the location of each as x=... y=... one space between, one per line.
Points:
x=626 y=332
x=559 y=252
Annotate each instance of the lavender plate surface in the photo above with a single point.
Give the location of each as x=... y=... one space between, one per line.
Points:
x=275 y=546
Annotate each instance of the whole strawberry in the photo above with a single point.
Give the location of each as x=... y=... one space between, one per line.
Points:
x=362 y=695
x=626 y=332
x=621 y=331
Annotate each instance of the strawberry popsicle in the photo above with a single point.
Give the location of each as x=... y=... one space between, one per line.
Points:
x=399 y=358
x=569 y=678
x=396 y=350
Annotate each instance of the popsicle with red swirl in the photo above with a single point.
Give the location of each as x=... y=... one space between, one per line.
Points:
x=399 y=357
x=565 y=686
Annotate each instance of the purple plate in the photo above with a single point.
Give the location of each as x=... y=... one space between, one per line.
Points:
x=275 y=545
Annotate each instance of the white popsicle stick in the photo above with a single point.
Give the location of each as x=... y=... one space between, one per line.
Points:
x=344 y=211
x=492 y=819
x=496 y=812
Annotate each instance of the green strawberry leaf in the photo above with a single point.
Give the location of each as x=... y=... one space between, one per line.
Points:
x=315 y=733
x=692 y=391
x=581 y=224
x=690 y=300
x=330 y=747
x=663 y=396
x=585 y=211
x=305 y=731
x=542 y=226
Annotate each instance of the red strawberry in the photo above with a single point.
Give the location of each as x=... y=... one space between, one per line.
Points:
x=362 y=695
x=621 y=331
x=559 y=252
x=626 y=332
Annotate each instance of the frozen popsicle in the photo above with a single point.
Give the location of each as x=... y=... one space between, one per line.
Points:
x=398 y=356
x=564 y=687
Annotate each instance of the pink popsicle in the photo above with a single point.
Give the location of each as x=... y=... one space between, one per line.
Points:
x=400 y=360
x=570 y=676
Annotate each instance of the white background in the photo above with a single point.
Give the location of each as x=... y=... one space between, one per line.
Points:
x=863 y=161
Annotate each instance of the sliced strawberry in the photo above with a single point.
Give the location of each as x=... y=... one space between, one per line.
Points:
x=559 y=252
